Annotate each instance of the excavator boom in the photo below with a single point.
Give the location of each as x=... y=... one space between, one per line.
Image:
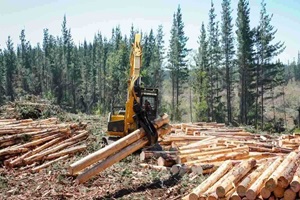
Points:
x=135 y=115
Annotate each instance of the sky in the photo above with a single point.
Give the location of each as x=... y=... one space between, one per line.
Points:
x=86 y=18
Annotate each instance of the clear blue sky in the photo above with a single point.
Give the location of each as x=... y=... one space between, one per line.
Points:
x=85 y=18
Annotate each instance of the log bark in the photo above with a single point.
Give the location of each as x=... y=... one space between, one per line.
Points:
x=247 y=181
x=273 y=179
x=113 y=148
x=212 y=179
x=238 y=172
x=255 y=188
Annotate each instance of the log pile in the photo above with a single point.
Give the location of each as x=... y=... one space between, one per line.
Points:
x=98 y=161
x=242 y=165
x=37 y=144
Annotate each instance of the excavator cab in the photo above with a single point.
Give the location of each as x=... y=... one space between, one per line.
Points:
x=149 y=99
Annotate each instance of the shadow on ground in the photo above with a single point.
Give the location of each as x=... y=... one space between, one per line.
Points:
x=157 y=184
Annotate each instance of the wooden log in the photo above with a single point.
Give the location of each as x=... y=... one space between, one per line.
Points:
x=289 y=194
x=194 y=155
x=109 y=161
x=209 y=140
x=180 y=169
x=36 y=169
x=19 y=160
x=113 y=148
x=247 y=181
x=212 y=179
x=9 y=151
x=295 y=184
x=287 y=174
x=272 y=180
x=255 y=188
x=238 y=172
x=166 y=161
x=235 y=196
x=145 y=155
x=71 y=150
x=159 y=168
x=265 y=193
x=43 y=154
x=278 y=192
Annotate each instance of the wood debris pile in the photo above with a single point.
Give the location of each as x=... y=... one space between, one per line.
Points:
x=29 y=144
x=233 y=157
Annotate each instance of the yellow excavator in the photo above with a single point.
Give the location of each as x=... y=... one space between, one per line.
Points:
x=141 y=104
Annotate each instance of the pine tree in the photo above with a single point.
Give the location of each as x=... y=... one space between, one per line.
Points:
x=25 y=62
x=228 y=54
x=200 y=79
x=178 y=61
x=10 y=68
x=2 y=78
x=245 y=60
x=266 y=52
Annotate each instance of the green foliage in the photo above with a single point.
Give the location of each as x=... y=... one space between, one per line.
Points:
x=177 y=61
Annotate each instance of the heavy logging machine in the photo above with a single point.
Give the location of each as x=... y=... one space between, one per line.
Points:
x=141 y=104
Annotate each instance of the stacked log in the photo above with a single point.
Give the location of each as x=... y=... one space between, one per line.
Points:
x=204 y=148
x=39 y=143
x=109 y=155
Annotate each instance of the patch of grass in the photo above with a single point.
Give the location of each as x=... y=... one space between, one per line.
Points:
x=3 y=182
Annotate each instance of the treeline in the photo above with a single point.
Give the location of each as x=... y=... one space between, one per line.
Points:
x=245 y=74
x=233 y=74
x=88 y=76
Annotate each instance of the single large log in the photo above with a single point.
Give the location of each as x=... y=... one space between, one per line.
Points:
x=36 y=169
x=289 y=194
x=209 y=153
x=212 y=179
x=238 y=172
x=41 y=155
x=209 y=140
x=295 y=184
x=287 y=174
x=71 y=150
x=278 y=192
x=273 y=179
x=255 y=188
x=113 y=148
x=246 y=182
x=109 y=161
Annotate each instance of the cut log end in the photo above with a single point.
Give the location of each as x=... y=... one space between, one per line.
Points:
x=193 y=196
x=251 y=195
x=265 y=193
x=241 y=190
x=289 y=194
x=221 y=191
x=295 y=186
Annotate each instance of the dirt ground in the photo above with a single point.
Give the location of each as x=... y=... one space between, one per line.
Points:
x=124 y=180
